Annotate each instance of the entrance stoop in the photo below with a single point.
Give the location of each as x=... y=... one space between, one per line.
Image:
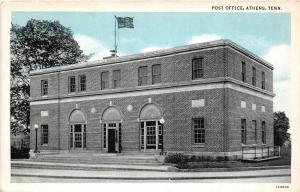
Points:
x=94 y=158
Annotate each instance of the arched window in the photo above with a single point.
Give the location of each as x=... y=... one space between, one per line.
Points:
x=151 y=128
x=77 y=121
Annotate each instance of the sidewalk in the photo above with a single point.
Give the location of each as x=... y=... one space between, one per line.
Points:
x=145 y=175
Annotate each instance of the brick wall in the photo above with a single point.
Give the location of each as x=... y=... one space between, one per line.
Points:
x=235 y=58
x=174 y=68
x=177 y=112
x=222 y=110
x=236 y=113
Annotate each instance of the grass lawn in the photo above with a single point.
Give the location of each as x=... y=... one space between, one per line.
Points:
x=284 y=160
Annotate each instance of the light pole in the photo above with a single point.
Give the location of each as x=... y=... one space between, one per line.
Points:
x=36 y=126
x=162 y=121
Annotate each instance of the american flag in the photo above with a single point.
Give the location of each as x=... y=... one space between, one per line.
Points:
x=125 y=22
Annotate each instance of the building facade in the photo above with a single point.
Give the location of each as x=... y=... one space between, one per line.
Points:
x=207 y=99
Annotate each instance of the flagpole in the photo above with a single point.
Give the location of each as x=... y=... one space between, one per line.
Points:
x=115 y=36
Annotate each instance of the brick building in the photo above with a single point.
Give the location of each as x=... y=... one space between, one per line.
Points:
x=208 y=99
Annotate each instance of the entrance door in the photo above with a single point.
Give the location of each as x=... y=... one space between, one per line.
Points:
x=111 y=140
x=78 y=136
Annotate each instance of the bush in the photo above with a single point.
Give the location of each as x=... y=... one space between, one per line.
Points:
x=22 y=153
x=176 y=158
x=193 y=158
x=220 y=158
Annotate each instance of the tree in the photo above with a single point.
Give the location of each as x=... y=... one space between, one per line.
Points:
x=38 y=44
x=281 y=126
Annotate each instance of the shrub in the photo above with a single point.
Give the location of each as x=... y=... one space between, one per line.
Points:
x=193 y=158
x=220 y=158
x=176 y=158
x=22 y=153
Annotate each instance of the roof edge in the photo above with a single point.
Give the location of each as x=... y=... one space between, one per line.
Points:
x=139 y=56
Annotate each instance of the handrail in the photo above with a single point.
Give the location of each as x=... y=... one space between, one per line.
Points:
x=261 y=152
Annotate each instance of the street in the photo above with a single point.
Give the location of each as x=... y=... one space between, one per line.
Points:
x=33 y=175
x=283 y=179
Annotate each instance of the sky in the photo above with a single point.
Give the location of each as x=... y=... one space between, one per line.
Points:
x=267 y=35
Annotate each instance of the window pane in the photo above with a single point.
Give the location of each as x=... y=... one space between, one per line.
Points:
x=243 y=131
x=44 y=87
x=199 y=130
x=82 y=83
x=44 y=135
x=243 y=71
x=197 y=68
x=253 y=76
x=156 y=74
x=116 y=78
x=255 y=130
x=263 y=132
x=104 y=80
x=142 y=75
x=72 y=84
x=263 y=80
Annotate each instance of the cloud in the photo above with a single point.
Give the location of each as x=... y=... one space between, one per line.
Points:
x=282 y=98
x=280 y=57
x=204 y=38
x=129 y=40
x=152 y=48
x=92 y=46
x=253 y=42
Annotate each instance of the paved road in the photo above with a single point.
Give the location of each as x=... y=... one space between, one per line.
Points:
x=25 y=175
x=18 y=179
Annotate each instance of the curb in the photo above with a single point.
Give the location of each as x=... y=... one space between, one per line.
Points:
x=168 y=168
x=234 y=169
x=148 y=178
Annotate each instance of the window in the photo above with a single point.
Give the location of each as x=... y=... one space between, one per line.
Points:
x=104 y=80
x=82 y=83
x=263 y=132
x=156 y=73
x=199 y=131
x=142 y=133
x=72 y=84
x=243 y=131
x=253 y=76
x=116 y=78
x=263 y=83
x=255 y=130
x=243 y=71
x=44 y=87
x=142 y=73
x=44 y=135
x=197 y=68
x=104 y=135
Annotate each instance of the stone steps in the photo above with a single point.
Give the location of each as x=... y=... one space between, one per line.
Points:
x=96 y=167
x=98 y=158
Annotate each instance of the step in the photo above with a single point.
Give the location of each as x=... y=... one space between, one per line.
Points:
x=109 y=163
x=78 y=166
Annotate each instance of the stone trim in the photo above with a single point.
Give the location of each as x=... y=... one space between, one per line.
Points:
x=183 y=88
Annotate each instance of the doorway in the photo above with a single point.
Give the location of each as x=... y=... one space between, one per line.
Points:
x=112 y=137
x=78 y=136
x=111 y=141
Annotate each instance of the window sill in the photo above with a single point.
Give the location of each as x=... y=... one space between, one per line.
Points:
x=44 y=145
x=198 y=145
x=44 y=95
